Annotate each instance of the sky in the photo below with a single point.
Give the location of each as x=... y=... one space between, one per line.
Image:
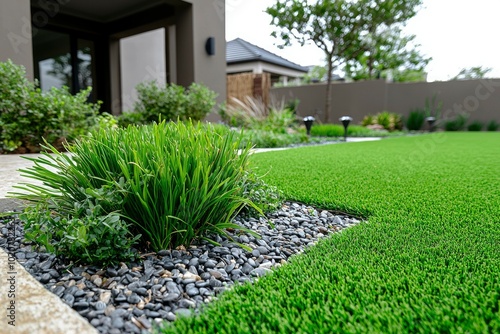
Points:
x=457 y=34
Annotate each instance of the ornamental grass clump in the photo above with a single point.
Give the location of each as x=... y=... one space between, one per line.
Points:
x=171 y=182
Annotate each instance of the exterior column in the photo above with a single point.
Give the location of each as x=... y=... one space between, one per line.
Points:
x=15 y=34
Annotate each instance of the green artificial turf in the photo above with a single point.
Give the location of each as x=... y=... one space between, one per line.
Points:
x=428 y=260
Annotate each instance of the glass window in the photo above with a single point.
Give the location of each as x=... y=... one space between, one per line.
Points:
x=55 y=54
x=86 y=66
x=52 y=57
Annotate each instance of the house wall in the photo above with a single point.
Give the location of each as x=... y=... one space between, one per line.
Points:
x=480 y=98
x=194 y=22
x=15 y=33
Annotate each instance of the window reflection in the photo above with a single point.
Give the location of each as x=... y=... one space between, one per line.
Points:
x=55 y=57
x=51 y=52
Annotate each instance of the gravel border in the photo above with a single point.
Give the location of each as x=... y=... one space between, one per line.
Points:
x=132 y=297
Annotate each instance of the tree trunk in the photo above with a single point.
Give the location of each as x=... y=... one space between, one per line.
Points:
x=328 y=98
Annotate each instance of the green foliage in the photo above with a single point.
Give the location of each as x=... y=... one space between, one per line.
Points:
x=156 y=102
x=457 y=124
x=130 y=118
x=28 y=116
x=105 y=121
x=169 y=102
x=433 y=107
x=335 y=130
x=269 y=139
x=254 y=114
x=476 y=72
x=475 y=126
x=389 y=121
x=266 y=198
x=387 y=52
x=292 y=105
x=200 y=102
x=492 y=126
x=415 y=120
x=85 y=233
x=427 y=261
x=337 y=27
x=172 y=182
x=369 y=120
x=316 y=74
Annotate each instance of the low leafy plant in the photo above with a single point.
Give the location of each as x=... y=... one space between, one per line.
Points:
x=433 y=107
x=475 y=126
x=253 y=113
x=130 y=118
x=493 y=126
x=293 y=105
x=369 y=120
x=266 y=198
x=200 y=101
x=155 y=102
x=169 y=102
x=85 y=233
x=29 y=116
x=105 y=121
x=269 y=139
x=172 y=182
x=457 y=124
x=389 y=121
x=335 y=130
x=415 y=120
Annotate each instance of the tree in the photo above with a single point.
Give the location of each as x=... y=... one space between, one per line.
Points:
x=476 y=72
x=388 y=53
x=338 y=27
x=315 y=74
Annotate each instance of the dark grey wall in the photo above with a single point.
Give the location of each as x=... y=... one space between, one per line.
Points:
x=480 y=98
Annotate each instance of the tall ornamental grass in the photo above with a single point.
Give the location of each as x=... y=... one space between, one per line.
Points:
x=172 y=182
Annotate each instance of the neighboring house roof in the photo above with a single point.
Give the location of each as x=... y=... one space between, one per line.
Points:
x=241 y=51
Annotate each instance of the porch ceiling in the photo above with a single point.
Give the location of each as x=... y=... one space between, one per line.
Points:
x=105 y=11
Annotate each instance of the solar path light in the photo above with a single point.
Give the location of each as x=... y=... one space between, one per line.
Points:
x=431 y=120
x=345 y=121
x=308 y=121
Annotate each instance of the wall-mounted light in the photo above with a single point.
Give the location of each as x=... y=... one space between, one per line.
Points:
x=210 y=46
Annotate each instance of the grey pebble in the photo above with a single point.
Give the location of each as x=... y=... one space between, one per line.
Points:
x=161 y=275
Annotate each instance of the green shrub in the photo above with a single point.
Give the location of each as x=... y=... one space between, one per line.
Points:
x=169 y=102
x=335 y=130
x=155 y=102
x=200 y=102
x=475 y=126
x=492 y=126
x=28 y=116
x=456 y=124
x=270 y=139
x=415 y=120
x=130 y=118
x=256 y=115
x=105 y=121
x=293 y=105
x=172 y=182
x=369 y=120
x=389 y=121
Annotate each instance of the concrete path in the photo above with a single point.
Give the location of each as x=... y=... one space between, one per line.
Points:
x=35 y=310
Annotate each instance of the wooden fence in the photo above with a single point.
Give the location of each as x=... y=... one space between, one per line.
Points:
x=248 y=84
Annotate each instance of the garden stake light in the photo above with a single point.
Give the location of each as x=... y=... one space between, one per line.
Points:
x=345 y=121
x=308 y=121
x=431 y=120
